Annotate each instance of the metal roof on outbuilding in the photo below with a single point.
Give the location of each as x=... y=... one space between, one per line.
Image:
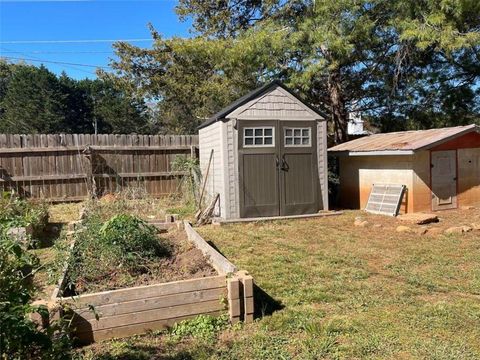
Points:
x=403 y=141
x=220 y=115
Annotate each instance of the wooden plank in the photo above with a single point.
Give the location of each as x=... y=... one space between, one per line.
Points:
x=17 y=162
x=62 y=163
x=218 y=261
x=158 y=303
x=171 y=312
x=42 y=178
x=27 y=163
x=3 y=170
x=106 y=148
x=69 y=199
x=144 y=174
x=273 y=218
x=141 y=292
x=142 y=148
x=129 y=330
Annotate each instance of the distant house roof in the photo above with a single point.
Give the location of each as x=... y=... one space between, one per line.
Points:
x=402 y=142
x=250 y=96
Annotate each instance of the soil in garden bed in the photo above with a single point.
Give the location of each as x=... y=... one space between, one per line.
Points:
x=184 y=262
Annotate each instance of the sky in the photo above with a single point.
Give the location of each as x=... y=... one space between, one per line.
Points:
x=73 y=31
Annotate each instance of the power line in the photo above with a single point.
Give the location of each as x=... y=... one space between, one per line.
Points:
x=72 y=41
x=59 y=52
x=57 y=62
x=36 y=58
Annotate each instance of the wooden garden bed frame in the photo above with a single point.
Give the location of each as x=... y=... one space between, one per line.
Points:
x=136 y=310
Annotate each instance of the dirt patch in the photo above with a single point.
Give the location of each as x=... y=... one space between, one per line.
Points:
x=184 y=262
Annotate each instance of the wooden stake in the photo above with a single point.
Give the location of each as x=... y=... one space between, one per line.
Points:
x=208 y=212
x=199 y=212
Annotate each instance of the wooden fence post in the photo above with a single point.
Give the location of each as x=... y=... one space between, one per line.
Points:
x=91 y=185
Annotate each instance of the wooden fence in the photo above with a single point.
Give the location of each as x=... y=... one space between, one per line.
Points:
x=66 y=167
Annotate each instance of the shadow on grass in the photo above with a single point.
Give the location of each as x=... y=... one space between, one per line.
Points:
x=265 y=305
x=49 y=235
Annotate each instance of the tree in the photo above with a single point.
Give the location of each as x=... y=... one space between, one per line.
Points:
x=403 y=63
x=185 y=77
x=33 y=102
x=326 y=49
x=78 y=107
x=111 y=109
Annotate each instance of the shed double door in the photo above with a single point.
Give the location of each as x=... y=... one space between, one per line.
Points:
x=277 y=168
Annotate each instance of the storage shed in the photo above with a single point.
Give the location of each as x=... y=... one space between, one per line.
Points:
x=269 y=156
x=439 y=167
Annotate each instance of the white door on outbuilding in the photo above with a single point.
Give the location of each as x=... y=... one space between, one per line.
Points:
x=444 y=180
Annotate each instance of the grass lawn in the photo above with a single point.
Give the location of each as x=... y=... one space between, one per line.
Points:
x=337 y=291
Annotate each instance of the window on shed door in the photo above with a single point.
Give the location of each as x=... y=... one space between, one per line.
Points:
x=297 y=136
x=258 y=136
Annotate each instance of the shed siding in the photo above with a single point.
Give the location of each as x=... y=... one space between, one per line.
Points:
x=468 y=177
x=422 y=195
x=277 y=104
x=360 y=173
x=210 y=138
x=322 y=162
x=233 y=211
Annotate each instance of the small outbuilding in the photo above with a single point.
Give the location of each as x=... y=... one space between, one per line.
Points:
x=268 y=155
x=439 y=167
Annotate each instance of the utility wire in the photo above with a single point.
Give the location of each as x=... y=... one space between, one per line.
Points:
x=58 y=52
x=72 y=41
x=57 y=62
x=36 y=58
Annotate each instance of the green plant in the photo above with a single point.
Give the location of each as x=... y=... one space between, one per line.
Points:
x=19 y=336
x=132 y=236
x=205 y=327
x=188 y=187
x=120 y=248
x=18 y=212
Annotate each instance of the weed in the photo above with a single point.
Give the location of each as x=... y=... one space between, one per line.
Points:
x=17 y=212
x=205 y=327
x=19 y=336
x=188 y=188
x=122 y=246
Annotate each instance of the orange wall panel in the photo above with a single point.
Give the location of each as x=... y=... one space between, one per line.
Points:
x=467 y=141
x=422 y=199
x=468 y=163
x=358 y=174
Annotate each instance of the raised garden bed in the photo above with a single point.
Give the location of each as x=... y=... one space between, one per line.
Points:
x=157 y=300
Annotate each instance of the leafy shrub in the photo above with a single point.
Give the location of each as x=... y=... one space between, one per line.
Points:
x=19 y=336
x=131 y=235
x=205 y=327
x=17 y=212
x=117 y=249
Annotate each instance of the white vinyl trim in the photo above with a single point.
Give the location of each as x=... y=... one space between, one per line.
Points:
x=293 y=136
x=263 y=136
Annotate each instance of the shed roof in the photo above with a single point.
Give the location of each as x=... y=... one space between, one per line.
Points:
x=403 y=141
x=250 y=96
